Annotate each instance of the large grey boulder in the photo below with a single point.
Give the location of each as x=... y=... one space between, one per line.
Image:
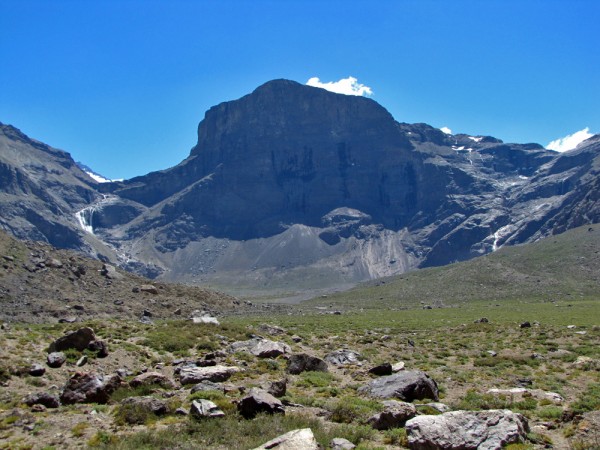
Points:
x=343 y=357
x=394 y=415
x=467 y=430
x=259 y=401
x=218 y=373
x=205 y=409
x=303 y=439
x=407 y=385
x=262 y=348
x=341 y=444
x=89 y=388
x=305 y=363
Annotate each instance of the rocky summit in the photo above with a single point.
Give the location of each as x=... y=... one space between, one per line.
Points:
x=293 y=187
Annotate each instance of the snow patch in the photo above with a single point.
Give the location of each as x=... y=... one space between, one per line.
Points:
x=446 y=130
x=476 y=139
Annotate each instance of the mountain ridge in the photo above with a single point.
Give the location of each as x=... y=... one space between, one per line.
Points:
x=293 y=185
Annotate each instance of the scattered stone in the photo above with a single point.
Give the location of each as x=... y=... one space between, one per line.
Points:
x=181 y=411
x=382 y=369
x=398 y=366
x=135 y=289
x=296 y=339
x=37 y=408
x=259 y=401
x=277 y=388
x=194 y=375
x=294 y=440
x=305 y=363
x=150 y=289
x=110 y=272
x=394 y=415
x=492 y=353
x=571 y=327
x=343 y=357
x=89 y=388
x=341 y=444
x=42 y=398
x=146 y=320
x=56 y=359
x=140 y=407
x=205 y=408
x=482 y=320
x=585 y=362
x=53 y=263
x=150 y=378
x=79 y=340
x=467 y=430
x=82 y=361
x=177 y=312
x=37 y=370
x=407 y=385
x=118 y=302
x=525 y=325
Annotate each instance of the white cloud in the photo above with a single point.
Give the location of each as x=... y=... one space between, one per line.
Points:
x=446 y=130
x=571 y=141
x=348 y=86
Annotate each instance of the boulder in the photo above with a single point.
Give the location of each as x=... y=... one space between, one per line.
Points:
x=341 y=444
x=79 y=340
x=382 y=369
x=294 y=440
x=56 y=359
x=262 y=348
x=135 y=410
x=467 y=430
x=269 y=349
x=305 y=363
x=42 y=398
x=36 y=370
x=343 y=357
x=407 y=385
x=110 y=272
x=218 y=373
x=150 y=289
x=259 y=401
x=149 y=378
x=89 y=388
x=394 y=415
x=205 y=408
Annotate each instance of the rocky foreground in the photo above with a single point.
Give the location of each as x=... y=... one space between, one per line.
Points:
x=202 y=384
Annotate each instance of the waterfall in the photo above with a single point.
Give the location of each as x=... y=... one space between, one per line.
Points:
x=86 y=215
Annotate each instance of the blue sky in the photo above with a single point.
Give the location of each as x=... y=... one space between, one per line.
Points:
x=122 y=84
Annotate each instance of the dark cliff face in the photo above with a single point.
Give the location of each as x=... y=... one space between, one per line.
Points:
x=289 y=153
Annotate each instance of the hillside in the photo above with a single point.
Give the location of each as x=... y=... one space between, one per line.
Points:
x=39 y=283
x=564 y=267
